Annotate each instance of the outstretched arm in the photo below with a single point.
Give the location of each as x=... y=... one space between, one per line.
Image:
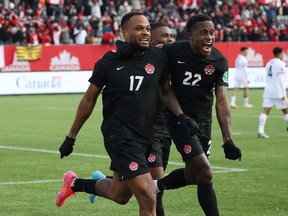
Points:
x=85 y=109
x=231 y=151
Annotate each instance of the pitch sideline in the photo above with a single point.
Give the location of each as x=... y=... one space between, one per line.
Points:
x=216 y=169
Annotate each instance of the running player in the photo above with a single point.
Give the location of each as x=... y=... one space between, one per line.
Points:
x=128 y=80
x=196 y=69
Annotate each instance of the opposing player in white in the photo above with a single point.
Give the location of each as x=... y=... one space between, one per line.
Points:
x=274 y=91
x=241 y=78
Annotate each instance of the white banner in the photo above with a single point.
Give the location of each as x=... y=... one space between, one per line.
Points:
x=44 y=82
x=77 y=82
x=256 y=77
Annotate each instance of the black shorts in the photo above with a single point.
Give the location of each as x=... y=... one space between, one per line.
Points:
x=204 y=136
x=190 y=146
x=128 y=157
x=157 y=151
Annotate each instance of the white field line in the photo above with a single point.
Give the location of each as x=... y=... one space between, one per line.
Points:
x=216 y=169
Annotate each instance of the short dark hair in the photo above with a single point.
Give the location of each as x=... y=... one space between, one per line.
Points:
x=156 y=25
x=195 y=19
x=127 y=17
x=277 y=50
x=243 y=48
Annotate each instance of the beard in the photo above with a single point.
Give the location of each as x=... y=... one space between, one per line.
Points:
x=137 y=48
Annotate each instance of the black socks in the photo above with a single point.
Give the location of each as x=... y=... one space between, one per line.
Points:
x=207 y=199
x=174 y=180
x=84 y=185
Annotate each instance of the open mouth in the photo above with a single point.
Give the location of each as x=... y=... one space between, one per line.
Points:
x=207 y=47
x=144 y=41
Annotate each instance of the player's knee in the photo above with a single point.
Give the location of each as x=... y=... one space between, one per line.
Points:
x=121 y=200
x=201 y=176
x=206 y=176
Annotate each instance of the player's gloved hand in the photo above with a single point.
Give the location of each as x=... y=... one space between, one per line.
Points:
x=231 y=151
x=67 y=147
x=188 y=122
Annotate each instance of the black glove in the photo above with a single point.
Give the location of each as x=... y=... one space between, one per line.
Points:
x=188 y=122
x=67 y=147
x=231 y=151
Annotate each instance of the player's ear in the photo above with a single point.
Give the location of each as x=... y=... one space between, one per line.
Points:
x=189 y=36
x=125 y=33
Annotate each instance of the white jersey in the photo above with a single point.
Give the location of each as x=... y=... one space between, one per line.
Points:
x=241 y=64
x=275 y=79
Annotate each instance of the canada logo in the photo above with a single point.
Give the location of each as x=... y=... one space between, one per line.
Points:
x=209 y=69
x=133 y=166
x=151 y=158
x=187 y=149
x=149 y=68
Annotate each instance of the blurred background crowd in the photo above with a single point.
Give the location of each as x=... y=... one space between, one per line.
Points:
x=35 y=22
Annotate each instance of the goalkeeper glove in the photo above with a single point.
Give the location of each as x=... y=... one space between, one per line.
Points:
x=231 y=151
x=188 y=122
x=67 y=147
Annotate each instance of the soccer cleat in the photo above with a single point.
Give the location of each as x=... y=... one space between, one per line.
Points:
x=248 y=105
x=263 y=135
x=95 y=175
x=66 y=190
x=234 y=106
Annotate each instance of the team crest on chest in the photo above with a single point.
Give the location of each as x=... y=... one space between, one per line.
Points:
x=149 y=68
x=209 y=69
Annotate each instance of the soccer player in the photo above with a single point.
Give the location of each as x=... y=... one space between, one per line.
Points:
x=196 y=69
x=128 y=80
x=160 y=148
x=274 y=91
x=241 y=78
x=160 y=34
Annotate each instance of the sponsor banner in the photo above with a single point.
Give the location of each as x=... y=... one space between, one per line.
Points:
x=83 y=57
x=44 y=83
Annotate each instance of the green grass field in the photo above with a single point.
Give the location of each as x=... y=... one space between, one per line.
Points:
x=33 y=127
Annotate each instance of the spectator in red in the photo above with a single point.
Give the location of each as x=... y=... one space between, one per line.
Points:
x=45 y=37
x=273 y=33
x=33 y=37
x=108 y=37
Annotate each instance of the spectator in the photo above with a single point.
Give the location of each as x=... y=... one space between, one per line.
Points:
x=94 y=23
x=108 y=37
x=80 y=34
x=33 y=37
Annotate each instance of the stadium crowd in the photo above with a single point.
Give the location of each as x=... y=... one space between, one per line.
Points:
x=34 y=22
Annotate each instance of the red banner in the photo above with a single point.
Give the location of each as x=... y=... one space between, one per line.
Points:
x=58 y=58
x=259 y=53
x=83 y=57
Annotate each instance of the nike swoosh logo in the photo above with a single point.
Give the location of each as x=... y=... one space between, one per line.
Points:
x=120 y=68
x=181 y=62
